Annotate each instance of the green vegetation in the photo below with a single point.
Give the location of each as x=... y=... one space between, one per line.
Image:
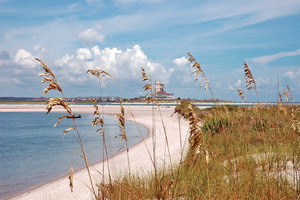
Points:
x=243 y=153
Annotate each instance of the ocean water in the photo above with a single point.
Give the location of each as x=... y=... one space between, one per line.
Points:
x=32 y=152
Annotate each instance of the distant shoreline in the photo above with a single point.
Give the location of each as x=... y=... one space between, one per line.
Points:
x=163 y=103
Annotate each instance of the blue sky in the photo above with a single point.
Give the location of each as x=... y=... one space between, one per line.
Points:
x=120 y=36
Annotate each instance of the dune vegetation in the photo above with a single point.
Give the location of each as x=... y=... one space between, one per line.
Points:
x=234 y=152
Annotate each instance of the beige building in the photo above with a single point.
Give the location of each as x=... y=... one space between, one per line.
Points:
x=160 y=92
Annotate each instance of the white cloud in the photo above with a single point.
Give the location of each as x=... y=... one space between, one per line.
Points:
x=230 y=87
x=130 y=2
x=93 y=1
x=262 y=81
x=123 y=65
x=292 y=74
x=180 y=61
x=25 y=59
x=217 y=84
x=92 y=35
x=84 y=54
x=238 y=83
x=270 y=58
x=5 y=80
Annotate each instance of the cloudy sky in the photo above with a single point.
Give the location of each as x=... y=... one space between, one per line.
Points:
x=120 y=36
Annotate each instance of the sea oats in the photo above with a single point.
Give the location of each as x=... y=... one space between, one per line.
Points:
x=71 y=178
x=200 y=77
x=52 y=102
x=241 y=94
x=98 y=73
x=250 y=82
x=68 y=129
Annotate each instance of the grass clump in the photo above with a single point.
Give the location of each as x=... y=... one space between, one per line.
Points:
x=241 y=153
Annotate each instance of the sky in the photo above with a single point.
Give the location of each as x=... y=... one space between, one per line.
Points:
x=121 y=36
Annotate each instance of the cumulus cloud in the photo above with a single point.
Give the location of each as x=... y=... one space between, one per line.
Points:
x=25 y=59
x=270 y=58
x=127 y=2
x=238 y=83
x=123 y=65
x=263 y=81
x=292 y=74
x=180 y=61
x=92 y=35
x=93 y=1
x=84 y=54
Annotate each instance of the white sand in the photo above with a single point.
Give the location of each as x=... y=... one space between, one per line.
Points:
x=139 y=158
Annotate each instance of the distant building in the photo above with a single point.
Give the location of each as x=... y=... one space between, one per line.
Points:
x=160 y=92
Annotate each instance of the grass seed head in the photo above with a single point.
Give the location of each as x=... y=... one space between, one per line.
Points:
x=241 y=94
x=250 y=82
x=68 y=129
x=71 y=178
x=122 y=127
x=98 y=73
x=52 y=102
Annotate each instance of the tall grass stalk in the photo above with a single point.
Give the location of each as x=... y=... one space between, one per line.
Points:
x=100 y=74
x=54 y=85
x=200 y=75
x=123 y=134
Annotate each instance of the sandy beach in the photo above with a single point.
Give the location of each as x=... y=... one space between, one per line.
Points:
x=140 y=162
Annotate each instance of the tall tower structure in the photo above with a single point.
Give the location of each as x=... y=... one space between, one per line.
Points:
x=159 y=87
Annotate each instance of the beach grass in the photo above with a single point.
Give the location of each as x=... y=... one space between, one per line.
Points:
x=234 y=152
x=242 y=153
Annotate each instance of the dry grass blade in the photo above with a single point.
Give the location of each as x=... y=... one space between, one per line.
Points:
x=46 y=80
x=71 y=178
x=280 y=97
x=147 y=87
x=59 y=120
x=195 y=65
x=68 y=129
x=46 y=68
x=121 y=119
x=52 y=102
x=52 y=86
x=287 y=94
x=96 y=112
x=97 y=121
x=144 y=75
x=98 y=73
x=250 y=82
x=199 y=74
x=206 y=85
x=241 y=94
x=194 y=127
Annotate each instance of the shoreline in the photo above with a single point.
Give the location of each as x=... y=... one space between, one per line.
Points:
x=36 y=187
x=139 y=158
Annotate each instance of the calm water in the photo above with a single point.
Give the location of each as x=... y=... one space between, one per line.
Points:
x=32 y=152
